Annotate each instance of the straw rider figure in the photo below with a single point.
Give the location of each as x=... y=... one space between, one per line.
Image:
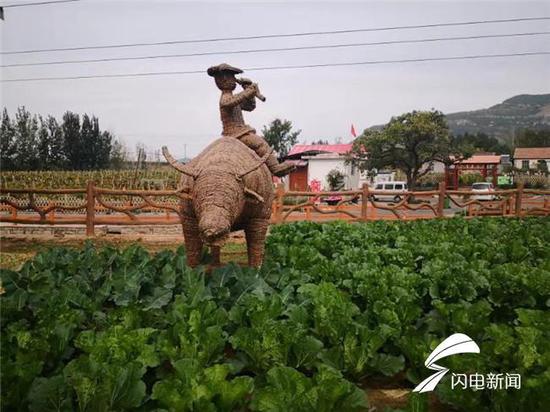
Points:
x=231 y=106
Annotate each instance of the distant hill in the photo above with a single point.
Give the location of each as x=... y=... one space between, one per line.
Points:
x=525 y=111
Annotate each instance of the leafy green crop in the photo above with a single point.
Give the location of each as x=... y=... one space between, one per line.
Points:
x=334 y=306
x=287 y=389
x=192 y=387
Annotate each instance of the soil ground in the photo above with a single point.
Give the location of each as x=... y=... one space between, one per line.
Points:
x=15 y=251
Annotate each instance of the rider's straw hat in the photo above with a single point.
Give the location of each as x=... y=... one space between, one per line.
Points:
x=220 y=68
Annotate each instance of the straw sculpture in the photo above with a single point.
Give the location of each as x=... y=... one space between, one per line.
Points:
x=231 y=189
x=229 y=182
x=231 y=107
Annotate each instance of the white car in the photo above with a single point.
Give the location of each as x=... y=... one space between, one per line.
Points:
x=393 y=191
x=486 y=191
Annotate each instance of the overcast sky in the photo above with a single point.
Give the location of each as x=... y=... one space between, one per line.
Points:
x=179 y=110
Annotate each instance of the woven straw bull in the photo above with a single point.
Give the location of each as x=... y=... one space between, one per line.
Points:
x=230 y=189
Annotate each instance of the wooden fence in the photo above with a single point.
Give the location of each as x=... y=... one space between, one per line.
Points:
x=360 y=205
x=94 y=206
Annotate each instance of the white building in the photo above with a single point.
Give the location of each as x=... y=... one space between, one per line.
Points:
x=313 y=163
x=320 y=165
x=530 y=157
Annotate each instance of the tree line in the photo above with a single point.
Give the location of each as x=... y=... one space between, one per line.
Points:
x=532 y=138
x=34 y=142
x=522 y=138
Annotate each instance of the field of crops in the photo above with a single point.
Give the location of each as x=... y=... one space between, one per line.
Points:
x=335 y=308
x=152 y=178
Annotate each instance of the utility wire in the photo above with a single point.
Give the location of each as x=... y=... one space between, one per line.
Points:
x=269 y=36
x=38 y=3
x=280 y=49
x=307 y=66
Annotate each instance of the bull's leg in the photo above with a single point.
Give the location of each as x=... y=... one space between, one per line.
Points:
x=215 y=250
x=193 y=242
x=255 y=233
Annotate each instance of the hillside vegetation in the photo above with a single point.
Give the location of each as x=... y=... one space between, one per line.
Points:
x=504 y=119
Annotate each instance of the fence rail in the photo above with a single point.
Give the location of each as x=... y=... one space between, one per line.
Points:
x=92 y=206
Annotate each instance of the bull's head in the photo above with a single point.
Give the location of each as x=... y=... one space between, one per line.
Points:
x=218 y=197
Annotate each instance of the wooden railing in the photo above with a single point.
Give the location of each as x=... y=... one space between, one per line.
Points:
x=94 y=206
x=413 y=205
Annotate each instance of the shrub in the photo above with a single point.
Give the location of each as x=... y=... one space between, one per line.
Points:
x=468 y=179
x=431 y=180
x=335 y=180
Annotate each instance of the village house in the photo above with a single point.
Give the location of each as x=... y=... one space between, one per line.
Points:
x=532 y=158
x=313 y=163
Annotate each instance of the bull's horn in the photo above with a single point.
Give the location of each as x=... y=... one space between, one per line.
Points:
x=186 y=170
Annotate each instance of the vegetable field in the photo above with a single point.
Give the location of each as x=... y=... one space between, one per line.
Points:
x=335 y=309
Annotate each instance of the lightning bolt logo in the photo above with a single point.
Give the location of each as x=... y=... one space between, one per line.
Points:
x=453 y=345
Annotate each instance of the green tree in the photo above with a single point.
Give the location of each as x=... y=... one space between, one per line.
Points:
x=410 y=143
x=118 y=156
x=88 y=141
x=104 y=148
x=57 y=159
x=72 y=141
x=7 y=142
x=480 y=142
x=280 y=137
x=96 y=144
x=26 y=140
x=44 y=145
x=50 y=144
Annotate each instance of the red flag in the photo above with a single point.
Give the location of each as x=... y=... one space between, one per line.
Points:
x=353 y=131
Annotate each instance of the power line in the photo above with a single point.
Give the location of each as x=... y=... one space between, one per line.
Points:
x=280 y=35
x=38 y=3
x=307 y=66
x=280 y=49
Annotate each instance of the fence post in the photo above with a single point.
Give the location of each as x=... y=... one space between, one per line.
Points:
x=519 y=196
x=51 y=215
x=441 y=199
x=279 y=196
x=90 y=208
x=364 y=202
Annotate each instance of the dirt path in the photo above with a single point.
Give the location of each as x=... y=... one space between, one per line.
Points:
x=15 y=251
